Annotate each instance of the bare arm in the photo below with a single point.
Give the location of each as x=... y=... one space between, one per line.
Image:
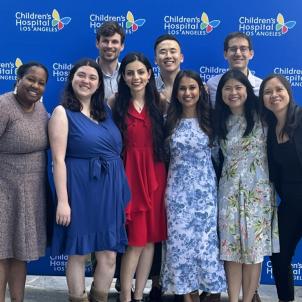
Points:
x=58 y=132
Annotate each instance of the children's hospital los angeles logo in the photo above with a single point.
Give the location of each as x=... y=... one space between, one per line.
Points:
x=60 y=70
x=190 y=26
x=41 y=22
x=8 y=69
x=293 y=74
x=272 y=26
x=129 y=22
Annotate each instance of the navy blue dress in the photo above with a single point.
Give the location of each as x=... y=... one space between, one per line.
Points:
x=97 y=188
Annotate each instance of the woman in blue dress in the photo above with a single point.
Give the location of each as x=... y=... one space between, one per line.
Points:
x=191 y=252
x=90 y=182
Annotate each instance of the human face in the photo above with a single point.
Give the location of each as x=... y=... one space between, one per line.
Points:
x=136 y=76
x=239 y=54
x=110 y=47
x=275 y=96
x=234 y=95
x=188 y=95
x=31 y=86
x=168 y=56
x=85 y=82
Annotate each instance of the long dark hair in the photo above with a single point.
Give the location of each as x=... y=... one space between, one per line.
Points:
x=222 y=111
x=203 y=107
x=268 y=117
x=152 y=103
x=71 y=102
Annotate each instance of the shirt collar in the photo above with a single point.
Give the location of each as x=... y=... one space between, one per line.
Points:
x=160 y=85
x=109 y=75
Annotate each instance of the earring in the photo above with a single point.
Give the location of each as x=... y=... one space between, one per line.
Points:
x=41 y=99
x=15 y=90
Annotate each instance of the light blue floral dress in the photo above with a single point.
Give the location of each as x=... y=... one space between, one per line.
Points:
x=191 y=253
x=248 y=224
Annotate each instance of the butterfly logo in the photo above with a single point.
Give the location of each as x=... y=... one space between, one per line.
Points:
x=208 y=25
x=18 y=63
x=57 y=21
x=284 y=26
x=134 y=24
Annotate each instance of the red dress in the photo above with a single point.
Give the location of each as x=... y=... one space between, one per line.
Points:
x=145 y=213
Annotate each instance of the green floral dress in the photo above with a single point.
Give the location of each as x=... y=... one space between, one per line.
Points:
x=247 y=205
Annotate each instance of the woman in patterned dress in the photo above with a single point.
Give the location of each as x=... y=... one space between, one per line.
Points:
x=247 y=206
x=23 y=144
x=191 y=252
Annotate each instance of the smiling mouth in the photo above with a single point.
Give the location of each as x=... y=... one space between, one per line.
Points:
x=238 y=60
x=168 y=62
x=33 y=92
x=234 y=100
x=84 y=86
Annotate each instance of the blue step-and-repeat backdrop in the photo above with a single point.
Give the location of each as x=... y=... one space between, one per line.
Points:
x=57 y=33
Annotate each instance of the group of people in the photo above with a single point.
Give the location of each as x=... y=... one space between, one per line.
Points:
x=176 y=175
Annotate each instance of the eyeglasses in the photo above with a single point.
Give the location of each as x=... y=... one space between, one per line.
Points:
x=243 y=49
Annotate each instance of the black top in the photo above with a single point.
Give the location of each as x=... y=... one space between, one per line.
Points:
x=275 y=169
x=285 y=156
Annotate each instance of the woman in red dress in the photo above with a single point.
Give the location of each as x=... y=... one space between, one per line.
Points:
x=138 y=115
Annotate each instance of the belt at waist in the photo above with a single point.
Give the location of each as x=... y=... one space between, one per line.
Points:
x=98 y=164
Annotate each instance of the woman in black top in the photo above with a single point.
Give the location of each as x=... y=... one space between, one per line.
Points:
x=284 y=147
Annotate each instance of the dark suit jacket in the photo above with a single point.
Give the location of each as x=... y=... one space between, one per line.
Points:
x=274 y=169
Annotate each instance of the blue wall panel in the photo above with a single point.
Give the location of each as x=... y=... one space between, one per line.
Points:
x=58 y=33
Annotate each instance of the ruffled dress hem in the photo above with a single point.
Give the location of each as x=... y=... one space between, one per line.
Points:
x=86 y=244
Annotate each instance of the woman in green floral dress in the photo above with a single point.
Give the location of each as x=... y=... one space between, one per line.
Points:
x=247 y=207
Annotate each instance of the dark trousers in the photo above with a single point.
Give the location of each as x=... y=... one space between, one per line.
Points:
x=156 y=264
x=290 y=232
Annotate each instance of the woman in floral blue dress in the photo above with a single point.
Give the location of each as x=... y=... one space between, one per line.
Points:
x=191 y=253
x=247 y=207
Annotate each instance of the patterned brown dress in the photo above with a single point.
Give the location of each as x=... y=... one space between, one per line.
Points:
x=23 y=144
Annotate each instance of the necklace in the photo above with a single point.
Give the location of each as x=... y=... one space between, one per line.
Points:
x=138 y=106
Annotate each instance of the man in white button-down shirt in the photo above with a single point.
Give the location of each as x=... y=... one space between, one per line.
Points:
x=238 y=51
